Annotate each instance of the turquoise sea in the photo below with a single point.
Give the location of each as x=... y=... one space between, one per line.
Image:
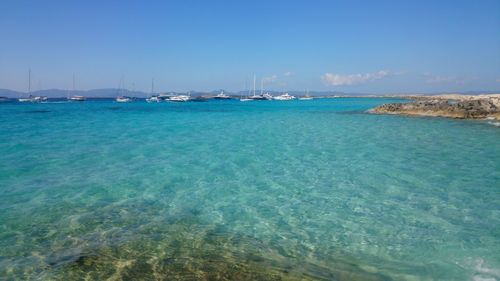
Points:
x=229 y=190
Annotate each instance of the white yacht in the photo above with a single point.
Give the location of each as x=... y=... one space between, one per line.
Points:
x=267 y=96
x=165 y=96
x=123 y=99
x=24 y=99
x=77 y=98
x=180 y=98
x=153 y=99
x=222 y=96
x=285 y=96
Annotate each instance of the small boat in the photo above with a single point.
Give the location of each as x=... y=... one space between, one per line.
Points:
x=32 y=98
x=179 y=98
x=153 y=99
x=267 y=96
x=306 y=97
x=77 y=98
x=123 y=99
x=257 y=97
x=165 y=96
x=285 y=96
x=222 y=96
x=24 y=99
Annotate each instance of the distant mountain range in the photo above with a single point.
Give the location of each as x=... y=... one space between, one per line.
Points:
x=57 y=93
x=112 y=93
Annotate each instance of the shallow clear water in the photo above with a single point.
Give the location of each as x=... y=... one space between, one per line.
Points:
x=300 y=190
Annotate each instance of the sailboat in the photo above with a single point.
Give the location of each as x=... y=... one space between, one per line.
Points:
x=255 y=96
x=121 y=98
x=31 y=98
x=76 y=97
x=306 y=97
x=153 y=98
x=242 y=98
x=265 y=96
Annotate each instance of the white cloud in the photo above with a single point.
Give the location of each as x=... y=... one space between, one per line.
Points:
x=288 y=73
x=333 y=79
x=269 y=79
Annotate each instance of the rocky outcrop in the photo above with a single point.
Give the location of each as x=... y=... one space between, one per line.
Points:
x=465 y=108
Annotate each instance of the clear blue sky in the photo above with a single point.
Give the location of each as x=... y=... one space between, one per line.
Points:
x=353 y=46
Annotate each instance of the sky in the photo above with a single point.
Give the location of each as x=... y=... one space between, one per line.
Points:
x=358 y=46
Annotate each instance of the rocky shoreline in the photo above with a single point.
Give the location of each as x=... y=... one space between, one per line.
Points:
x=451 y=106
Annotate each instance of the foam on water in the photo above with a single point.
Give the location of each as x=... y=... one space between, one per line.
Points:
x=302 y=190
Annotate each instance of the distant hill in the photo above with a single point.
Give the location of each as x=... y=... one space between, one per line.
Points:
x=57 y=93
x=9 y=93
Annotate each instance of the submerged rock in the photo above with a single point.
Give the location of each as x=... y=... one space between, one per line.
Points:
x=466 y=108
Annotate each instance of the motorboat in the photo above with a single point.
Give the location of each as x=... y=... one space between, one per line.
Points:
x=153 y=99
x=222 y=96
x=165 y=96
x=267 y=96
x=284 y=96
x=179 y=98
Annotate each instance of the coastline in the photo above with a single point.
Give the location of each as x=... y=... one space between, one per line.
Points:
x=450 y=106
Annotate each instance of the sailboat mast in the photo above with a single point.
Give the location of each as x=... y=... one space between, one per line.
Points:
x=152 y=86
x=261 y=86
x=246 y=86
x=29 y=81
x=254 y=84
